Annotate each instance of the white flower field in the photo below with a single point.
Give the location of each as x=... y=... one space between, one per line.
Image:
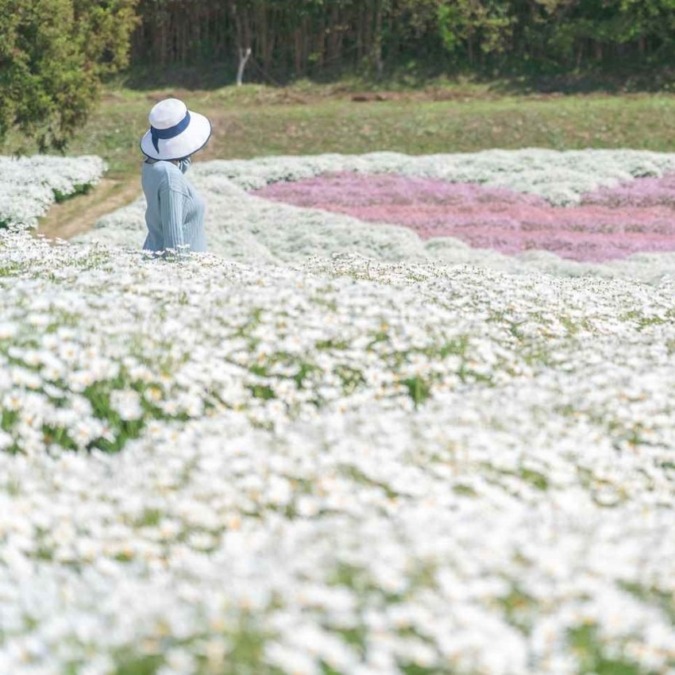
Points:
x=243 y=227
x=29 y=185
x=329 y=447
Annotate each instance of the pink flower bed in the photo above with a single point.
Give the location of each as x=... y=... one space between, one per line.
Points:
x=608 y=224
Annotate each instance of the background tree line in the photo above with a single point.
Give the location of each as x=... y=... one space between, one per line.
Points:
x=54 y=53
x=315 y=38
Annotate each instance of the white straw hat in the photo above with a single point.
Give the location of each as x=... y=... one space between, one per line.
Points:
x=175 y=132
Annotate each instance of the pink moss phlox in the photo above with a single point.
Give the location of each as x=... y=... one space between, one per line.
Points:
x=609 y=223
x=638 y=193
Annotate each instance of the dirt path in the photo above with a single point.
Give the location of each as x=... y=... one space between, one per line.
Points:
x=79 y=214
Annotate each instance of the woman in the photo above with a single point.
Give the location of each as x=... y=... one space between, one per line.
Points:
x=175 y=212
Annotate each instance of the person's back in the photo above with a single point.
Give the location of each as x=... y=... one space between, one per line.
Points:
x=175 y=211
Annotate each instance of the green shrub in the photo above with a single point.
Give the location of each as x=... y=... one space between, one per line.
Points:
x=53 y=54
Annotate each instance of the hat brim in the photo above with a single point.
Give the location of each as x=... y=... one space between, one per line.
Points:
x=189 y=141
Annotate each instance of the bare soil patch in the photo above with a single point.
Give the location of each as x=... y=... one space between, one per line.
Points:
x=79 y=215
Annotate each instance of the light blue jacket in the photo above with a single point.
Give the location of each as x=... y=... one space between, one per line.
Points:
x=175 y=212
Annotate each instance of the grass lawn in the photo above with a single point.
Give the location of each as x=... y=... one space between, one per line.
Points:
x=308 y=119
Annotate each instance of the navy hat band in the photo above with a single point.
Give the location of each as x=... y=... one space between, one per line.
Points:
x=171 y=132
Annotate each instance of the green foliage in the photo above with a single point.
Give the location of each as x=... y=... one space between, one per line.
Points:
x=53 y=54
x=60 y=197
x=466 y=24
x=300 y=38
x=588 y=647
x=418 y=388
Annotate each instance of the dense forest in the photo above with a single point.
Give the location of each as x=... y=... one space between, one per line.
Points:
x=318 y=38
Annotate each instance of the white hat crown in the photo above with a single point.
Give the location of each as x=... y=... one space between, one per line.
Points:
x=167 y=113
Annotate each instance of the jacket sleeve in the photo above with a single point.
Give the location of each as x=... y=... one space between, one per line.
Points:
x=171 y=210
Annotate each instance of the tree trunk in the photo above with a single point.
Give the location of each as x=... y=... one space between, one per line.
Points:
x=377 y=41
x=297 y=37
x=244 y=56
